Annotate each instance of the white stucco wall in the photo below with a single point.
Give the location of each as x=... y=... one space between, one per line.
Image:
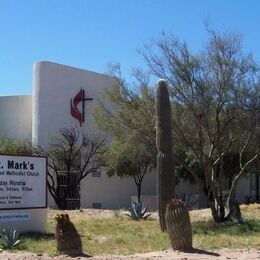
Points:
x=113 y=192
x=16 y=116
x=53 y=87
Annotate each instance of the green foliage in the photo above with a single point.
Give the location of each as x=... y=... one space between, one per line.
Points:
x=7 y=145
x=138 y=211
x=129 y=118
x=9 y=239
x=125 y=160
x=13 y=146
x=215 y=96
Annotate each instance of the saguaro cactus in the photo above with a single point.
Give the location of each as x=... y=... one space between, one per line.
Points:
x=67 y=237
x=178 y=225
x=165 y=159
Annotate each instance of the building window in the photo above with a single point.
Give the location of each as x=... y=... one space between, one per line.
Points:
x=97 y=173
x=97 y=205
x=73 y=196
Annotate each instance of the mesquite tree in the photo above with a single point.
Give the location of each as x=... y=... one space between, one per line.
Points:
x=124 y=160
x=215 y=95
x=72 y=156
x=127 y=113
x=165 y=159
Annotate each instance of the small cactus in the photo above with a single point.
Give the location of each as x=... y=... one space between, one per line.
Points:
x=178 y=224
x=165 y=158
x=138 y=211
x=9 y=239
x=67 y=237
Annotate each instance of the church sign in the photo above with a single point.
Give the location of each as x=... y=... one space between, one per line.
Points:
x=23 y=182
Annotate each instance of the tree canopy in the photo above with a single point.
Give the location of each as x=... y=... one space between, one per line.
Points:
x=215 y=96
x=130 y=120
x=72 y=156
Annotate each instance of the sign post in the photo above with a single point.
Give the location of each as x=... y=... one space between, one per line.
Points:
x=23 y=192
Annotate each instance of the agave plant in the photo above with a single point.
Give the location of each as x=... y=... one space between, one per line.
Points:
x=138 y=211
x=9 y=238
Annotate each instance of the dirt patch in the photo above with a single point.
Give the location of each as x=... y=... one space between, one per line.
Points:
x=239 y=254
x=196 y=215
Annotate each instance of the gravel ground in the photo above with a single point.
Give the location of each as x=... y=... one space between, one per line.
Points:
x=240 y=254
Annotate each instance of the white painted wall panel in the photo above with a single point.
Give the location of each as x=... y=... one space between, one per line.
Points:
x=54 y=86
x=16 y=116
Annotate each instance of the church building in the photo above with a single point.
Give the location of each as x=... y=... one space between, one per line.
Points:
x=63 y=97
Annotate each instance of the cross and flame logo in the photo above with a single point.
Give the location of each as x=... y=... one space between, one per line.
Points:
x=80 y=97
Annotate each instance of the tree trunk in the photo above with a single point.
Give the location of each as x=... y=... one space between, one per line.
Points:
x=218 y=212
x=139 y=190
x=234 y=212
x=61 y=203
x=232 y=203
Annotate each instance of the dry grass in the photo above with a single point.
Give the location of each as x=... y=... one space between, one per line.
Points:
x=111 y=232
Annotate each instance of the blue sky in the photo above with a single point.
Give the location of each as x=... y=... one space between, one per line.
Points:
x=91 y=33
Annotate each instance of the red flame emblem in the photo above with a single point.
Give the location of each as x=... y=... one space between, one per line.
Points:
x=79 y=115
